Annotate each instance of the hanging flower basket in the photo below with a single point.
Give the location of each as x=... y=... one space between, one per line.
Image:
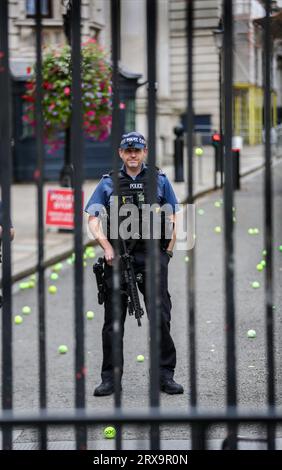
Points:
x=96 y=94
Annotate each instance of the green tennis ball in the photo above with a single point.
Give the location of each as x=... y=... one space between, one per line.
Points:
x=263 y=262
x=31 y=284
x=255 y=231
x=109 y=432
x=69 y=261
x=89 y=315
x=201 y=211
x=259 y=267
x=255 y=285
x=57 y=267
x=62 y=349
x=140 y=358
x=18 y=319
x=217 y=229
x=251 y=231
x=251 y=334
x=33 y=277
x=199 y=151
x=26 y=310
x=84 y=264
x=54 y=276
x=186 y=259
x=280 y=248
x=52 y=289
x=264 y=252
x=217 y=204
x=91 y=255
x=234 y=219
x=24 y=285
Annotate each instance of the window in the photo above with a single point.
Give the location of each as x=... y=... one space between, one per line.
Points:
x=30 y=6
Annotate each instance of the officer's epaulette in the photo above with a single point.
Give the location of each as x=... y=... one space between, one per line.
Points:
x=160 y=171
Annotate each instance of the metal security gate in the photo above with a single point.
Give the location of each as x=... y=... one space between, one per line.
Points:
x=79 y=417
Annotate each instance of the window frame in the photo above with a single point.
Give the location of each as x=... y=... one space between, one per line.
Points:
x=49 y=14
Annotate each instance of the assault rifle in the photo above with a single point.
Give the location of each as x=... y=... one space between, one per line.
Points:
x=128 y=279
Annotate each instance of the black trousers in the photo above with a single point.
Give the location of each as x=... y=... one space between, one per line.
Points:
x=167 y=348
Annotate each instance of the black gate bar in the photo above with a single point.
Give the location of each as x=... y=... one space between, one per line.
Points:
x=40 y=229
x=268 y=222
x=153 y=258
x=190 y=199
x=76 y=158
x=228 y=214
x=115 y=141
x=5 y=176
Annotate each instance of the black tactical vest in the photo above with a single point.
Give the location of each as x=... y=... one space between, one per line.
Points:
x=134 y=193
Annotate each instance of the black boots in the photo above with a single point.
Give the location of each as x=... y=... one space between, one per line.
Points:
x=168 y=385
x=105 y=388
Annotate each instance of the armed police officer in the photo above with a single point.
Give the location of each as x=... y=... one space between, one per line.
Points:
x=132 y=184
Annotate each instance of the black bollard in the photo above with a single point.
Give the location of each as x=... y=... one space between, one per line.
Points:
x=178 y=154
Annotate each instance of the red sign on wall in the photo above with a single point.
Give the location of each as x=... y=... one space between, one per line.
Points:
x=60 y=208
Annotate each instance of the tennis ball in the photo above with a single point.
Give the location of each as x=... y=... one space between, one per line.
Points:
x=91 y=255
x=186 y=259
x=201 y=211
x=259 y=267
x=217 y=204
x=69 y=261
x=140 y=358
x=263 y=263
x=33 y=277
x=251 y=231
x=234 y=219
x=57 y=267
x=54 y=276
x=264 y=252
x=217 y=229
x=199 y=151
x=26 y=310
x=52 y=289
x=24 y=285
x=255 y=285
x=18 y=319
x=31 y=284
x=280 y=248
x=251 y=334
x=89 y=315
x=62 y=349
x=109 y=432
x=255 y=231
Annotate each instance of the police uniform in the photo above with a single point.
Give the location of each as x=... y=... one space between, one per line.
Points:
x=98 y=205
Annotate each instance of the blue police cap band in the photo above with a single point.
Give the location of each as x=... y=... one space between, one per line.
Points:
x=133 y=142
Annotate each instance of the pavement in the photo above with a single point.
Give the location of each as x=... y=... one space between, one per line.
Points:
x=210 y=330
x=58 y=245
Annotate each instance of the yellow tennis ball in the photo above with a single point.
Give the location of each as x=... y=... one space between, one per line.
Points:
x=140 y=358
x=52 y=289
x=18 y=319
x=109 y=432
x=255 y=285
x=217 y=229
x=89 y=315
x=26 y=310
x=251 y=334
x=62 y=349
x=199 y=151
